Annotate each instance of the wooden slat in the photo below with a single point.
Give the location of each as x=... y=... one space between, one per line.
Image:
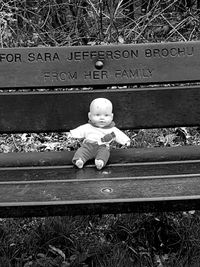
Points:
x=94 y=190
x=173 y=189
x=122 y=64
x=132 y=170
x=100 y=190
x=120 y=187
x=133 y=108
x=32 y=210
x=118 y=157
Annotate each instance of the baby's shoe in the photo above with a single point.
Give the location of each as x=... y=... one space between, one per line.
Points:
x=99 y=163
x=79 y=163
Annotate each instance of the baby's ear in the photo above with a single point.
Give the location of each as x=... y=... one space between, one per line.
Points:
x=112 y=115
x=89 y=115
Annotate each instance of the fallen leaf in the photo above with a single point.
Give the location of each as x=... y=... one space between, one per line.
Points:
x=58 y=251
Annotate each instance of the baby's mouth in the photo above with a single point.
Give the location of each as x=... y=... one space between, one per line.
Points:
x=102 y=123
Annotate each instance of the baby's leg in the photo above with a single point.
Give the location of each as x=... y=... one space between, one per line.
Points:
x=78 y=158
x=102 y=157
x=83 y=154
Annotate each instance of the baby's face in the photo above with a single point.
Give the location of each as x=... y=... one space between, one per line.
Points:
x=101 y=115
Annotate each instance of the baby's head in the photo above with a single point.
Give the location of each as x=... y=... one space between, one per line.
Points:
x=101 y=112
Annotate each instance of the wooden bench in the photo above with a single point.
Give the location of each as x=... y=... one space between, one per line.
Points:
x=141 y=81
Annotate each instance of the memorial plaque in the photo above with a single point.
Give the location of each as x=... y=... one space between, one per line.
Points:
x=99 y=65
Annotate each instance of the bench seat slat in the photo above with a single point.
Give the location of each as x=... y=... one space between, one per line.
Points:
x=118 y=156
x=96 y=191
x=90 y=191
x=139 y=108
x=53 y=174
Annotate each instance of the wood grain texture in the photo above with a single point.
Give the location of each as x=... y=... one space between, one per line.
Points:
x=118 y=156
x=133 y=108
x=76 y=66
x=132 y=182
x=91 y=190
x=46 y=188
x=61 y=209
x=132 y=170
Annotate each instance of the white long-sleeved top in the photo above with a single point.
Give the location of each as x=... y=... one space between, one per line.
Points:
x=91 y=133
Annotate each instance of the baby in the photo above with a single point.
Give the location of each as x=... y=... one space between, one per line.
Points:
x=97 y=135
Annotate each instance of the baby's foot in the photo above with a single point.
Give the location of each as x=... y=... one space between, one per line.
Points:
x=99 y=163
x=79 y=163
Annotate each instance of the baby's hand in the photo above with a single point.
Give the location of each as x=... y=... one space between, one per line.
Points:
x=128 y=143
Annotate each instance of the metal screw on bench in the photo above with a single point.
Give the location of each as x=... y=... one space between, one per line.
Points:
x=106 y=190
x=99 y=65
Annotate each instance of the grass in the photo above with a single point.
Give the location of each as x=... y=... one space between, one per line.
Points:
x=90 y=22
x=162 y=239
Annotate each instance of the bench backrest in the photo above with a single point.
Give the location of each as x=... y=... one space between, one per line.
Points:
x=95 y=71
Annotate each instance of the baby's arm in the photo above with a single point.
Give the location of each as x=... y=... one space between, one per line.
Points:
x=78 y=133
x=121 y=137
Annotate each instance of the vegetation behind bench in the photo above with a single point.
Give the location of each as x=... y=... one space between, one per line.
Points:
x=140 y=80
